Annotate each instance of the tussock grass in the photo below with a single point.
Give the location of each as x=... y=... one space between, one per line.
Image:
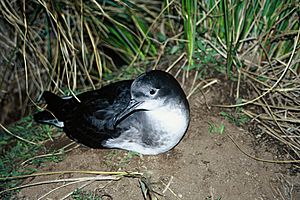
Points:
x=260 y=42
x=64 y=45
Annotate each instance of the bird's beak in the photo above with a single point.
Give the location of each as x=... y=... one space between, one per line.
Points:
x=133 y=104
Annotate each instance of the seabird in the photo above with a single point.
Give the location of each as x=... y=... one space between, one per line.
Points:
x=148 y=115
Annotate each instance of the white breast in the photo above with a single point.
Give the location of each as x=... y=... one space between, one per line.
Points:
x=173 y=121
x=168 y=122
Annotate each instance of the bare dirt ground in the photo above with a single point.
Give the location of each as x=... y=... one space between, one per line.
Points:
x=204 y=165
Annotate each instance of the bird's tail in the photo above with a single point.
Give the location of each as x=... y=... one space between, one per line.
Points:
x=53 y=115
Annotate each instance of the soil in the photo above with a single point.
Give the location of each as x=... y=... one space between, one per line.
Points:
x=204 y=165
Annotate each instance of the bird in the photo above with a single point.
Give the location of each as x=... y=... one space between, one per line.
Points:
x=148 y=115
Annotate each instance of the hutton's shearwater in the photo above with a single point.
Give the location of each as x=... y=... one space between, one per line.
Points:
x=148 y=115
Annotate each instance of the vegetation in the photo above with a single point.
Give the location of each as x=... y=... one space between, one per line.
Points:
x=214 y=128
x=70 y=46
x=19 y=157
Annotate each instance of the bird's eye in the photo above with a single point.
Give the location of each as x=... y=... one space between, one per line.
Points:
x=152 y=91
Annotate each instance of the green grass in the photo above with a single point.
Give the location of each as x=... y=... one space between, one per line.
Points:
x=14 y=151
x=237 y=118
x=189 y=15
x=206 y=60
x=241 y=28
x=228 y=32
x=218 y=129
